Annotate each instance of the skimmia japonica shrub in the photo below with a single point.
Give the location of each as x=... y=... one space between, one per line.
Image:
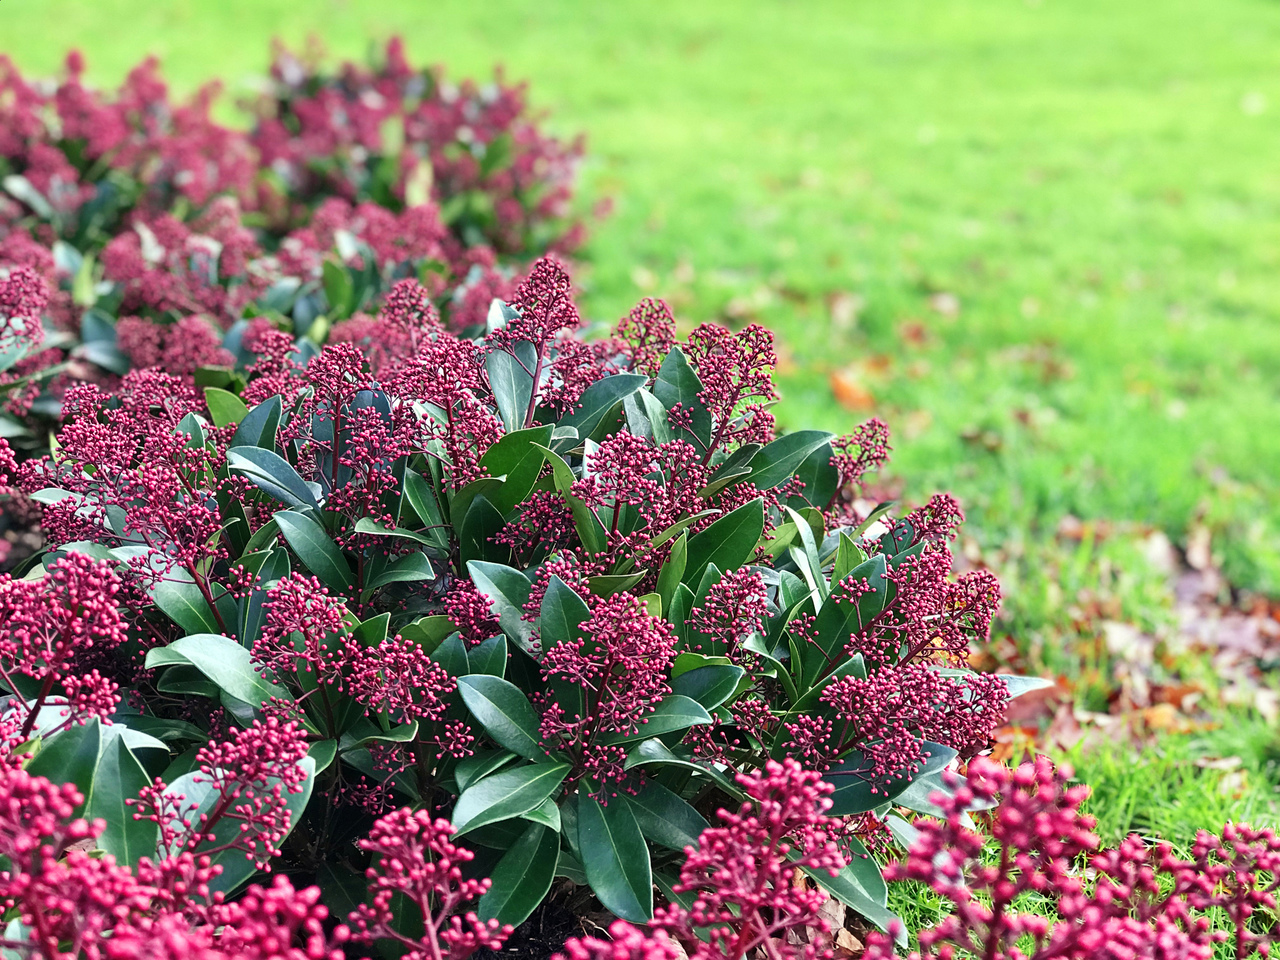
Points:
x=563 y=594
x=1033 y=884
x=1046 y=890
x=79 y=163
x=394 y=134
x=160 y=233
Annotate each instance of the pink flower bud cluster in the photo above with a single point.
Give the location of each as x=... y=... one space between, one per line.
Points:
x=737 y=382
x=620 y=669
x=24 y=295
x=51 y=629
x=73 y=903
x=625 y=942
x=168 y=149
x=437 y=138
x=888 y=714
x=1050 y=892
x=732 y=611
x=251 y=774
x=742 y=874
x=416 y=860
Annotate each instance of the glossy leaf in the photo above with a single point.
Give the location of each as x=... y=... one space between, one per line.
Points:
x=600 y=400
x=70 y=757
x=507 y=591
x=183 y=603
x=710 y=686
x=615 y=858
x=518 y=456
x=512 y=384
x=315 y=549
x=409 y=568
x=673 y=714
x=227 y=664
x=665 y=819
x=224 y=406
x=780 y=459
x=480 y=765
x=522 y=877
x=258 y=428
x=119 y=777
x=728 y=543
x=502 y=796
x=504 y=711
x=678 y=383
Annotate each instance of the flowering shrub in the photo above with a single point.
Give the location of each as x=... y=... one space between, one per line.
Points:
x=64 y=902
x=1033 y=898
x=395 y=135
x=572 y=596
x=159 y=234
x=80 y=165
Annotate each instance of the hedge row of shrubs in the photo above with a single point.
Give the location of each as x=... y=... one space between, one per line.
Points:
x=363 y=566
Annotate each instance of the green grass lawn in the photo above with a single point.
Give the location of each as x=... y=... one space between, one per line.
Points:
x=1042 y=237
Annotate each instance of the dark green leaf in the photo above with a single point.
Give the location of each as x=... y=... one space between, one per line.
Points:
x=452 y=655
x=489 y=657
x=519 y=457
x=615 y=858
x=504 y=711
x=562 y=615
x=677 y=383
x=482 y=522
x=522 y=877
x=848 y=556
x=70 y=757
x=646 y=416
x=423 y=500
x=656 y=753
x=236 y=869
x=854 y=794
x=728 y=543
x=672 y=571
x=711 y=685
x=674 y=713
x=338 y=289
x=600 y=400
x=860 y=887
x=272 y=474
x=410 y=567
x=224 y=406
x=609 y=584
x=323 y=752
x=590 y=531
x=227 y=664
x=258 y=428
x=183 y=603
x=778 y=461
x=666 y=819
x=264 y=537
x=315 y=549
x=374 y=529
x=511 y=793
x=119 y=777
x=820 y=478
x=274 y=567
x=507 y=591
x=512 y=384
x=480 y=765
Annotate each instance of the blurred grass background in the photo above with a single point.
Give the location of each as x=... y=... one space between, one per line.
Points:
x=1040 y=239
